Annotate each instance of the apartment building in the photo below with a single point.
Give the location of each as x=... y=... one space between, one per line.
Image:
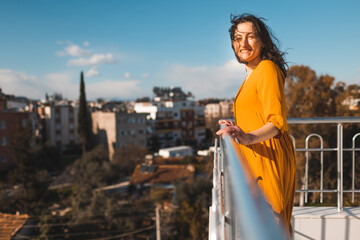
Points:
x=217 y=110
x=61 y=123
x=176 y=117
x=11 y=122
x=119 y=129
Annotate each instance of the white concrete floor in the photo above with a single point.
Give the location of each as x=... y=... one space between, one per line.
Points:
x=326 y=223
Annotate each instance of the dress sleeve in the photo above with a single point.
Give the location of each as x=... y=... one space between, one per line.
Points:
x=271 y=93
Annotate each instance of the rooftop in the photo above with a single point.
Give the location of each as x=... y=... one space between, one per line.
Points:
x=11 y=224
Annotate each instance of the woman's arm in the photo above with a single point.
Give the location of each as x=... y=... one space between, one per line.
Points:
x=259 y=135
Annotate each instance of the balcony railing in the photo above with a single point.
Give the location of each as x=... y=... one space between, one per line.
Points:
x=339 y=149
x=239 y=210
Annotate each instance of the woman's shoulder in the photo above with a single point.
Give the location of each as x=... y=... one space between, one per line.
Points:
x=269 y=66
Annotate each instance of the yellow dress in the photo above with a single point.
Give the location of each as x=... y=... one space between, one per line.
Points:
x=260 y=100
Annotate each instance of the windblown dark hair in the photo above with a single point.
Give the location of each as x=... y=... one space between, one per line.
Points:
x=269 y=50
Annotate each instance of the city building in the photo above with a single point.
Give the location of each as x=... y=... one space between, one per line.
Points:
x=119 y=129
x=60 y=119
x=176 y=117
x=218 y=110
x=12 y=122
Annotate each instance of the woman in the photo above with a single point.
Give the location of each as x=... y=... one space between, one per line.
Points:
x=260 y=116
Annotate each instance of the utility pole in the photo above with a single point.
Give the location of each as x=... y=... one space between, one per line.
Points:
x=157 y=214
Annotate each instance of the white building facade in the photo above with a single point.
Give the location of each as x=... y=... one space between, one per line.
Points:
x=61 y=124
x=175 y=122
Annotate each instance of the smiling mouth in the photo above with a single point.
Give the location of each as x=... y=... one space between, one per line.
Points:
x=245 y=50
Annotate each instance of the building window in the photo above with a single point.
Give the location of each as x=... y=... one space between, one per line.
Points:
x=57 y=127
x=131 y=120
x=4 y=158
x=24 y=122
x=3 y=124
x=58 y=138
x=3 y=141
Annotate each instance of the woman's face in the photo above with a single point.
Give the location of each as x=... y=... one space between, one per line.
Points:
x=246 y=45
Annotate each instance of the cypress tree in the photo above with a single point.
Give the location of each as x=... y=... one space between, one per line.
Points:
x=83 y=122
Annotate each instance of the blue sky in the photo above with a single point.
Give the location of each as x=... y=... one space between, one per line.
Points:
x=126 y=47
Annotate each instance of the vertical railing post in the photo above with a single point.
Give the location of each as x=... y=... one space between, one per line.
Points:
x=339 y=167
x=306 y=170
x=353 y=167
x=321 y=165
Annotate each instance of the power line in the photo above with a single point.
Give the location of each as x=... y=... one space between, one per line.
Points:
x=87 y=233
x=124 y=234
x=80 y=222
x=129 y=210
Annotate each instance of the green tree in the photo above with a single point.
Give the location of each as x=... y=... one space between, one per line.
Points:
x=32 y=182
x=83 y=120
x=193 y=200
x=309 y=95
x=126 y=158
x=98 y=210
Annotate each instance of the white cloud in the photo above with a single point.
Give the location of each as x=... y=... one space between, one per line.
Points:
x=102 y=89
x=208 y=81
x=86 y=44
x=61 y=83
x=114 y=89
x=20 y=84
x=92 y=72
x=93 y=60
x=145 y=75
x=73 y=50
x=76 y=51
x=127 y=75
x=61 y=54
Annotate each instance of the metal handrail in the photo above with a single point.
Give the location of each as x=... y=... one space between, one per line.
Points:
x=339 y=149
x=323 y=120
x=238 y=206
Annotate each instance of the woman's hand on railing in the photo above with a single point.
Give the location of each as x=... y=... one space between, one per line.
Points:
x=236 y=133
x=226 y=122
x=264 y=133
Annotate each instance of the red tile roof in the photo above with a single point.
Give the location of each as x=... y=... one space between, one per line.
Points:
x=10 y=224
